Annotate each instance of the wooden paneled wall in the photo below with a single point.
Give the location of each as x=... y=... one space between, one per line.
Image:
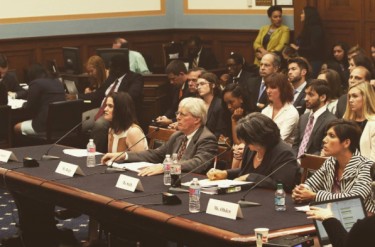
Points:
x=351 y=21
x=22 y=52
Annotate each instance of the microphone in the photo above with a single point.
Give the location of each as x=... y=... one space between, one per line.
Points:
x=243 y=203
x=50 y=157
x=179 y=190
x=110 y=168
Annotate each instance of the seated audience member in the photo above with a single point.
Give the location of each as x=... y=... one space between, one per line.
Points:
x=10 y=80
x=269 y=64
x=200 y=56
x=235 y=66
x=373 y=51
x=208 y=90
x=359 y=74
x=339 y=56
x=312 y=125
x=361 y=109
x=361 y=233
x=354 y=50
x=298 y=72
x=177 y=75
x=124 y=131
x=120 y=79
x=97 y=73
x=192 y=78
x=42 y=91
x=137 y=62
x=345 y=173
x=265 y=152
x=362 y=60
x=271 y=38
x=224 y=80
x=235 y=100
x=334 y=84
x=193 y=142
x=281 y=109
x=3 y=94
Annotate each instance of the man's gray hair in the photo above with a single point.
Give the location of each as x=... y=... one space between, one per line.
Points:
x=196 y=107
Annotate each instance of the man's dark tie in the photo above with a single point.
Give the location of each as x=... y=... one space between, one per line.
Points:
x=182 y=149
x=102 y=107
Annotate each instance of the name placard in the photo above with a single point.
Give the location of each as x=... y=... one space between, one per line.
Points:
x=224 y=209
x=68 y=169
x=129 y=183
x=6 y=155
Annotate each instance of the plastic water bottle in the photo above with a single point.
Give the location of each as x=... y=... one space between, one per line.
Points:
x=175 y=172
x=280 y=198
x=194 y=196
x=91 y=150
x=167 y=163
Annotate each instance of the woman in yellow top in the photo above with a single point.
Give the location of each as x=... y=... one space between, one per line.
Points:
x=271 y=38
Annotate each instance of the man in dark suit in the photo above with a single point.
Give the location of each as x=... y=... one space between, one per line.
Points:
x=120 y=79
x=179 y=89
x=270 y=63
x=312 y=125
x=10 y=80
x=200 y=56
x=358 y=74
x=43 y=90
x=201 y=145
x=298 y=72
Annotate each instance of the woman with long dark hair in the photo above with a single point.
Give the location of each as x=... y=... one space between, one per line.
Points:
x=124 y=131
x=237 y=105
x=310 y=42
x=209 y=91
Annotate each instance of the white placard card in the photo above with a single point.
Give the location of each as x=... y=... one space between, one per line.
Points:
x=68 y=169
x=224 y=209
x=129 y=183
x=6 y=155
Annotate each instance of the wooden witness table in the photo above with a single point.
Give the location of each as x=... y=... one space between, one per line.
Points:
x=140 y=214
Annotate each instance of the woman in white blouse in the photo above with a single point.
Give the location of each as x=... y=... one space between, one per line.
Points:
x=124 y=131
x=280 y=108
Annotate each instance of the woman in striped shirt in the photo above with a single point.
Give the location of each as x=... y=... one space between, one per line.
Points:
x=345 y=173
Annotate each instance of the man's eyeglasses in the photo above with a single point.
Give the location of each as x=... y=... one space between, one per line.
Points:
x=202 y=83
x=181 y=113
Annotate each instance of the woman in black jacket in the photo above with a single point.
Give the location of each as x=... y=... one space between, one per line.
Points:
x=310 y=42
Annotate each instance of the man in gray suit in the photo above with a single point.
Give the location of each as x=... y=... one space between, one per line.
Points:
x=312 y=125
x=201 y=144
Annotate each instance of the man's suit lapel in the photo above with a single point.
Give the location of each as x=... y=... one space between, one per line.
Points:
x=191 y=147
x=317 y=126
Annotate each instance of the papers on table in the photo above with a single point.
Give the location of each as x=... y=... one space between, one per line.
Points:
x=225 y=183
x=77 y=152
x=15 y=103
x=303 y=208
x=133 y=166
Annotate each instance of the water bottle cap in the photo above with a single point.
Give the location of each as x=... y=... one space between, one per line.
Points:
x=167 y=155
x=195 y=179
x=91 y=140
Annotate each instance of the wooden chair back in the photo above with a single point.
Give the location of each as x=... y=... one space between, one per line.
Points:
x=158 y=138
x=5 y=127
x=310 y=163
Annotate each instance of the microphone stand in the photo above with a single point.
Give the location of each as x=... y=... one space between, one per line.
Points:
x=180 y=190
x=243 y=203
x=51 y=157
x=110 y=168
